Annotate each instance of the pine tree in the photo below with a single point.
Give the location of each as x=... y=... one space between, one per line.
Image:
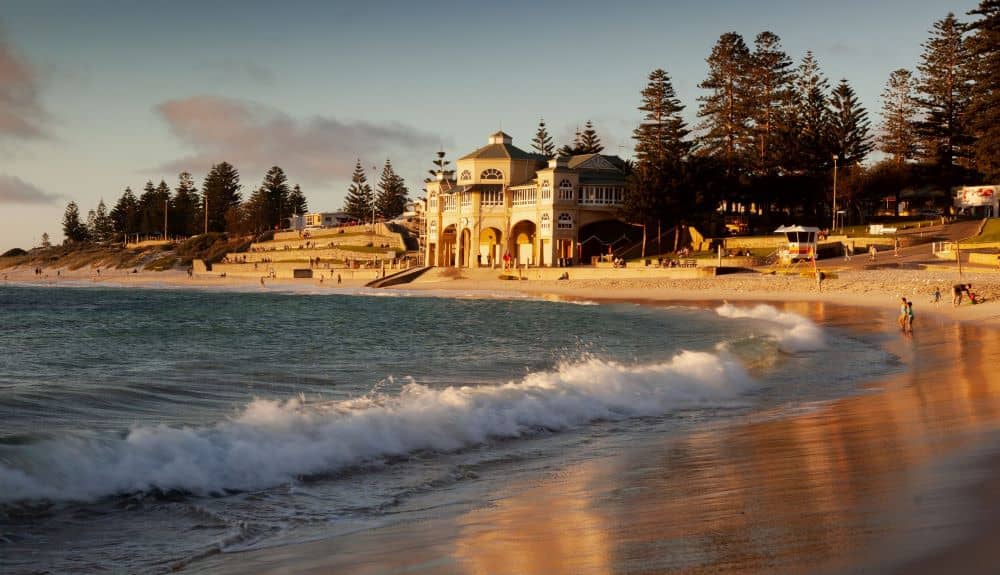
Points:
x=392 y=194
x=943 y=94
x=104 y=230
x=984 y=108
x=726 y=110
x=149 y=212
x=572 y=149
x=254 y=215
x=771 y=90
x=45 y=240
x=811 y=146
x=276 y=192
x=91 y=225
x=543 y=142
x=184 y=207
x=898 y=115
x=440 y=166
x=660 y=137
x=358 y=203
x=849 y=127
x=73 y=228
x=125 y=214
x=590 y=142
x=297 y=203
x=221 y=191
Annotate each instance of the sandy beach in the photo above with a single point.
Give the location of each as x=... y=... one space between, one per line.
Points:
x=901 y=477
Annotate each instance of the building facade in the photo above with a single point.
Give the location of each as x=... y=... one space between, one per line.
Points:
x=505 y=201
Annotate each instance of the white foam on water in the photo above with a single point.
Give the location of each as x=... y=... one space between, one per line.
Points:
x=274 y=442
x=793 y=333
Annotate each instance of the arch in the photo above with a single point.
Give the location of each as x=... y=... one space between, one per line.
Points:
x=447 y=252
x=491 y=174
x=565 y=190
x=466 y=175
x=490 y=248
x=565 y=221
x=522 y=239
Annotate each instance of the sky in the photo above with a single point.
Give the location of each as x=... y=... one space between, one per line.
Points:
x=97 y=95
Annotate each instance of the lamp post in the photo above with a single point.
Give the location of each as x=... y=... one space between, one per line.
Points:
x=834 y=227
x=374 y=173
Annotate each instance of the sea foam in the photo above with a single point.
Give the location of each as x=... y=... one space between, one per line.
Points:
x=273 y=442
x=793 y=333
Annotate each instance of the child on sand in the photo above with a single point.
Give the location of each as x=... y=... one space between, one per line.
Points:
x=904 y=313
x=909 y=317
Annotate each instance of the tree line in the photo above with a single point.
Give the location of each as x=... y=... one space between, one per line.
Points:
x=770 y=134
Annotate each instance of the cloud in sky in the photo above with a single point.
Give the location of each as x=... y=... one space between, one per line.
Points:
x=21 y=111
x=14 y=190
x=255 y=137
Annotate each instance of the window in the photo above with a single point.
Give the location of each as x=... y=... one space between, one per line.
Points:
x=449 y=202
x=433 y=227
x=565 y=221
x=525 y=197
x=600 y=195
x=565 y=190
x=466 y=175
x=546 y=190
x=546 y=222
x=433 y=203
x=491 y=174
x=491 y=196
x=466 y=199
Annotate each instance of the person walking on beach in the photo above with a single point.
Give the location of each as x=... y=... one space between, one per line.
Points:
x=956 y=292
x=872 y=253
x=904 y=312
x=937 y=296
x=895 y=248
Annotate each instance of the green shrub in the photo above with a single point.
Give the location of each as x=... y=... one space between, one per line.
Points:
x=13 y=253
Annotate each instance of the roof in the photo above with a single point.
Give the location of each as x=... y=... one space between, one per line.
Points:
x=595 y=162
x=500 y=134
x=784 y=229
x=502 y=151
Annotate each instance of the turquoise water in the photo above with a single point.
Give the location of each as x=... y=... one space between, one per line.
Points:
x=141 y=430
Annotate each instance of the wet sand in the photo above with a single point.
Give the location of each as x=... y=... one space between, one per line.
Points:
x=900 y=478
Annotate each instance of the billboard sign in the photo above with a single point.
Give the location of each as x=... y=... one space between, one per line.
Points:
x=974 y=196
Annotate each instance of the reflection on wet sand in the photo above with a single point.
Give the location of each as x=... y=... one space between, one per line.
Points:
x=848 y=484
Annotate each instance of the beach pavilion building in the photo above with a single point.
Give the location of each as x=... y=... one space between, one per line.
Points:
x=505 y=201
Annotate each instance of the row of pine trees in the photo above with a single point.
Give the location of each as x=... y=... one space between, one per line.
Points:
x=219 y=206
x=770 y=134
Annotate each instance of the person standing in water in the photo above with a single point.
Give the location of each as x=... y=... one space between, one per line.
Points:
x=903 y=314
x=909 y=317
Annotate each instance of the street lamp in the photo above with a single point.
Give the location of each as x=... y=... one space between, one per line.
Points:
x=374 y=173
x=834 y=227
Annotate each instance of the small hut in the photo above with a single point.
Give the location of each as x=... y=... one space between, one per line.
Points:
x=801 y=242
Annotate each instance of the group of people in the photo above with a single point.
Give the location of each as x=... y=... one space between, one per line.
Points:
x=906 y=316
x=958 y=290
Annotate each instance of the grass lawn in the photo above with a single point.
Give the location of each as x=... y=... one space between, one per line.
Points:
x=991 y=233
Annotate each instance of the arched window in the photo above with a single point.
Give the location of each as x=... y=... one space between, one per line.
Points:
x=491 y=174
x=433 y=227
x=546 y=222
x=565 y=221
x=546 y=190
x=565 y=190
x=466 y=175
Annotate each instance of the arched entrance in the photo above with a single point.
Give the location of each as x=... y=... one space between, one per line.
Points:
x=446 y=254
x=465 y=248
x=490 y=247
x=522 y=237
x=597 y=237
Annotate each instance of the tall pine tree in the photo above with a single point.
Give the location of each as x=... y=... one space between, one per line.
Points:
x=275 y=189
x=943 y=92
x=771 y=91
x=359 y=200
x=590 y=142
x=542 y=143
x=896 y=136
x=184 y=207
x=726 y=110
x=125 y=215
x=811 y=146
x=74 y=230
x=221 y=191
x=850 y=130
x=984 y=109
x=104 y=229
x=392 y=194
x=297 y=203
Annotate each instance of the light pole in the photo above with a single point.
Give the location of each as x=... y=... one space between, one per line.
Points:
x=834 y=227
x=374 y=173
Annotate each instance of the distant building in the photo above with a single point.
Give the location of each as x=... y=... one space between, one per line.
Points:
x=317 y=220
x=508 y=201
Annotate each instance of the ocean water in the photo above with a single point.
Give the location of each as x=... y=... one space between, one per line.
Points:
x=143 y=430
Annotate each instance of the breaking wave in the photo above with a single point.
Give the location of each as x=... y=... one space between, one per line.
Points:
x=275 y=442
x=793 y=333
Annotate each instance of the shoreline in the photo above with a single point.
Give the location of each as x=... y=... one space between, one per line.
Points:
x=939 y=388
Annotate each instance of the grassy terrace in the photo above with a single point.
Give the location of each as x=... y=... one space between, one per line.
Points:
x=991 y=233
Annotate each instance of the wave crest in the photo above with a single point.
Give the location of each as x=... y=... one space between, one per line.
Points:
x=274 y=442
x=793 y=333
